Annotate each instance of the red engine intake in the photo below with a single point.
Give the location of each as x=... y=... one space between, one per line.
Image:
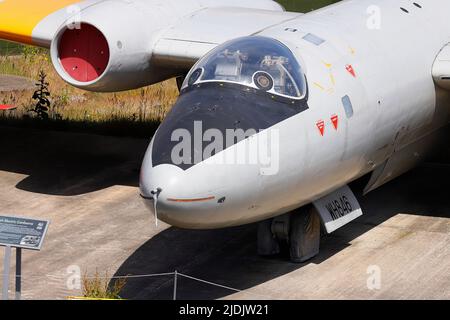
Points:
x=84 y=53
x=109 y=51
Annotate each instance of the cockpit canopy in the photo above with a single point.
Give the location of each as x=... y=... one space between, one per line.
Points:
x=258 y=62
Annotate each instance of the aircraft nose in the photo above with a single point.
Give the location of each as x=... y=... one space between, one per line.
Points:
x=158 y=182
x=179 y=201
x=206 y=196
x=179 y=167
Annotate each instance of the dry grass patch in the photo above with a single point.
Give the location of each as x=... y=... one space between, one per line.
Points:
x=146 y=104
x=100 y=287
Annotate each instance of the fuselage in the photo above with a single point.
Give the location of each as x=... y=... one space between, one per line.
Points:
x=370 y=96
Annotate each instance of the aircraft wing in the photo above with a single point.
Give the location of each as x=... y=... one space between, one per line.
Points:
x=20 y=19
x=113 y=45
x=36 y=21
x=193 y=36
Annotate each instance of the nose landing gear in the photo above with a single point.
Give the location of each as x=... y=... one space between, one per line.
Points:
x=300 y=230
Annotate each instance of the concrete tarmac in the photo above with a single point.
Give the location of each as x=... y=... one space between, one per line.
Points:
x=87 y=186
x=15 y=83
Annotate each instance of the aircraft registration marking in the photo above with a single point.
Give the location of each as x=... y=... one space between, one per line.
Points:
x=338 y=208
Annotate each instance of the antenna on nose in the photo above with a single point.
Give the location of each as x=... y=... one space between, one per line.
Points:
x=155 y=195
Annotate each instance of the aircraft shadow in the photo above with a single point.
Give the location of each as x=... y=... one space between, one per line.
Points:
x=57 y=163
x=228 y=257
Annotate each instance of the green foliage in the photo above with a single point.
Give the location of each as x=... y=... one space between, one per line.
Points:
x=9 y=48
x=42 y=97
x=30 y=52
x=64 y=97
x=8 y=66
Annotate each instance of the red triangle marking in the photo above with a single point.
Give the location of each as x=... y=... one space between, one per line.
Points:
x=321 y=126
x=335 y=121
x=350 y=69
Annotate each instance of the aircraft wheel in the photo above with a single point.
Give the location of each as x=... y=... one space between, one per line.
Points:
x=304 y=238
x=267 y=242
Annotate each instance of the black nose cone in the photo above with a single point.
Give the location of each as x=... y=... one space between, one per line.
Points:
x=219 y=106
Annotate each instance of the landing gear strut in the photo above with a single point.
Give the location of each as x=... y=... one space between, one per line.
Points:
x=299 y=229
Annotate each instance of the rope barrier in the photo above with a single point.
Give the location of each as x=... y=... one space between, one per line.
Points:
x=210 y=283
x=134 y=276
x=95 y=277
x=63 y=277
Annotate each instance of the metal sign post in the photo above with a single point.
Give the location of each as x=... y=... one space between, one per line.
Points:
x=6 y=267
x=20 y=233
x=18 y=273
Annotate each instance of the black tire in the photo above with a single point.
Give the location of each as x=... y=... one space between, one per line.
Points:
x=304 y=239
x=267 y=243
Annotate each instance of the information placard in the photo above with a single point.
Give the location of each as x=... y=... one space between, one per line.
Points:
x=24 y=233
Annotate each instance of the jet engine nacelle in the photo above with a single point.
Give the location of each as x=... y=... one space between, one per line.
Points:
x=110 y=47
x=441 y=68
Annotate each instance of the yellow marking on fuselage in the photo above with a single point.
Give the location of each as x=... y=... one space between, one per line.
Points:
x=333 y=81
x=319 y=86
x=327 y=65
x=18 y=18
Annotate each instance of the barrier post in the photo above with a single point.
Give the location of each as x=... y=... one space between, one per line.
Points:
x=175 y=283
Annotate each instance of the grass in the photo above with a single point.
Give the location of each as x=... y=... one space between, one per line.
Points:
x=98 y=287
x=130 y=112
x=148 y=103
x=9 y=48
